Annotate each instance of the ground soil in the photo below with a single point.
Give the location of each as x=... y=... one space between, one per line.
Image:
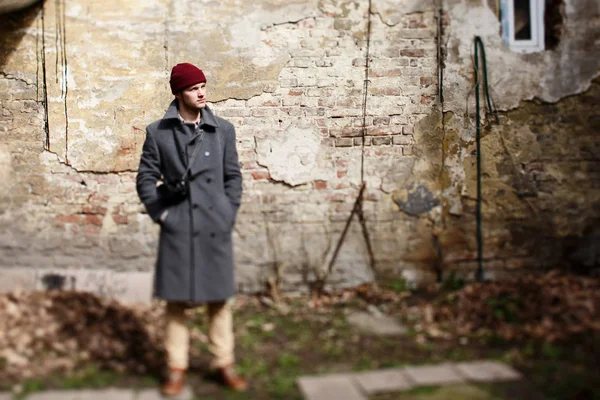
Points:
x=280 y=339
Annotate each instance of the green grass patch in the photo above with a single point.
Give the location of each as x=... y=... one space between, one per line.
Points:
x=398 y=285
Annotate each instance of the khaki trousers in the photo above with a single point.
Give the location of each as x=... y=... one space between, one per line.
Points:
x=220 y=334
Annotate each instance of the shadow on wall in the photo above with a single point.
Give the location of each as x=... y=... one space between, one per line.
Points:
x=13 y=28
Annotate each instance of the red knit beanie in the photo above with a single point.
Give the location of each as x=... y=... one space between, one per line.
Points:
x=184 y=75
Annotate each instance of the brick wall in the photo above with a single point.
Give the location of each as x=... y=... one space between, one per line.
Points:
x=292 y=81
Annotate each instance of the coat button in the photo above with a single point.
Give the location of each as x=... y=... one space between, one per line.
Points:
x=196 y=234
x=212 y=235
x=195 y=205
x=209 y=180
x=211 y=208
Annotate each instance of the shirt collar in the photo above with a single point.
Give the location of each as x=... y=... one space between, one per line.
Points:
x=195 y=123
x=207 y=117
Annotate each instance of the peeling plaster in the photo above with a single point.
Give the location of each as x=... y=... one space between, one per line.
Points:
x=130 y=49
x=295 y=156
x=391 y=12
x=549 y=76
x=513 y=77
x=126 y=87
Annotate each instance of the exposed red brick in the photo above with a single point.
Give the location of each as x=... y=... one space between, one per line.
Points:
x=93 y=220
x=427 y=80
x=296 y=92
x=258 y=175
x=344 y=142
x=80 y=219
x=67 y=219
x=412 y=53
x=320 y=185
x=94 y=210
x=350 y=132
x=342 y=173
x=379 y=73
x=120 y=219
x=378 y=141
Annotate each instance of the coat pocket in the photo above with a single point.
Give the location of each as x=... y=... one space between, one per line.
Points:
x=170 y=222
x=228 y=214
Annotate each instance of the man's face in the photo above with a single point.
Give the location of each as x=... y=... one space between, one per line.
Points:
x=193 y=97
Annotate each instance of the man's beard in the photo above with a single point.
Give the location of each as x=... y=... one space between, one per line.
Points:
x=195 y=107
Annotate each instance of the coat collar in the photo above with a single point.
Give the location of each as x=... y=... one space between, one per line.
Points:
x=208 y=118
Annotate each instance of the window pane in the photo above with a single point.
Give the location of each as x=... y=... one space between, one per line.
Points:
x=522 y=19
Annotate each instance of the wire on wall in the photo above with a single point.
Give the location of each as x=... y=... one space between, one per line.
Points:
x=479 y=46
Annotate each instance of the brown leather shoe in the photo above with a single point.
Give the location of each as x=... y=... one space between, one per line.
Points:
x=231 y=379
x=174 y=383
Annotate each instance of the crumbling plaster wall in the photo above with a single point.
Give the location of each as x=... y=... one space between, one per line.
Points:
x=290 y=76
x=540 y=162
x=79 y=81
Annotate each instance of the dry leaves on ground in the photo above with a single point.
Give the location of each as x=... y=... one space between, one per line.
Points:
x=46 y=332
x=551 y=307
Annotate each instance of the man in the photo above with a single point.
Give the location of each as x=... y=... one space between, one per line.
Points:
x=193 y=152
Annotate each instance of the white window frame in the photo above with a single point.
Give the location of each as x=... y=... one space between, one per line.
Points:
x=536 y=12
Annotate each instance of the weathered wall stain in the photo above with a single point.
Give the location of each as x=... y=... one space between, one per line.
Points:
x=290 y=76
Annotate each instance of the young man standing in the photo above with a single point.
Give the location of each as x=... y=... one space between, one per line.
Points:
x=193 y=152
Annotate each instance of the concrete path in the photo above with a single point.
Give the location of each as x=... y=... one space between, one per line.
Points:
x=358 y=386
x=351 y=386
x=105 y=394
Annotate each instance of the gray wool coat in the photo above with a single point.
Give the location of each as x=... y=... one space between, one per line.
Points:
x=195 y=254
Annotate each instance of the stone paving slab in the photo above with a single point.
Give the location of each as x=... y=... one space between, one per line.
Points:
x=154 y=394
x=329 y=387
x=6 y=396
x=441 y=374
x=487 y=371
x=387 y=380
x=111 y=394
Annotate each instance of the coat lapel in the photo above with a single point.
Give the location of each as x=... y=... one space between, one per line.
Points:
x=209 y=148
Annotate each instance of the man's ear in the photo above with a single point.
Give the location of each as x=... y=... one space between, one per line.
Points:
x=178 y=95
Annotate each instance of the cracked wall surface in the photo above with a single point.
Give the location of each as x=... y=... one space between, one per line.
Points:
x=79 y=82
x=545 y=133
